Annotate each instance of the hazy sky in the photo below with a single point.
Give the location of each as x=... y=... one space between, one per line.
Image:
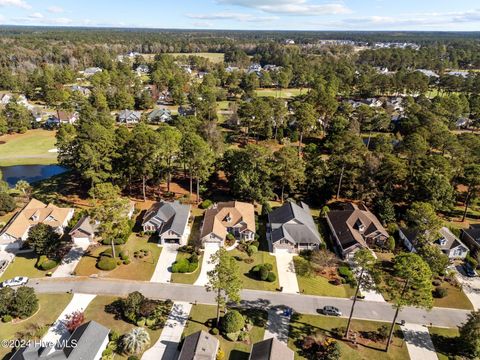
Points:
x=249 y=14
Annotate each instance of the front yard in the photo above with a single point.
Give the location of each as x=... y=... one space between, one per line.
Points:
x=318 y=285
x=23 y=264
x=50 y=307
x=445 y=341
x=186 y=278
x=138 y=269
x=324 y=327
x=238 y=350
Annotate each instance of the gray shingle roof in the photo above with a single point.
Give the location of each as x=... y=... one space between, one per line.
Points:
x=168 y=216
x=85 y=225
x=271 y=349
x=293 y=223
x=199 y=346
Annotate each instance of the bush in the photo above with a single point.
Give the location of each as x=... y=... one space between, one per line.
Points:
x=181 y=266
x=271 y=277
x=232 y=336
x=107 y=352
x=7 y=318
x=230 y=237
x=347 y=275
x=108 y=252
x=232 y=322
x=215 y=331
x=7 y=203
x=440 y=292
x=48 y=264
x=252 y=250
x=263 y=271
x=256 y=244
x=106 y=263
x=141 y=322
x=123 y=255
x=126 y=262
x=242 y=336
x=205 y=204
x=473 y=263
x=436 y=283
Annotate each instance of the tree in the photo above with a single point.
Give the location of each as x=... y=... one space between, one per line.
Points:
x=7 y=297
x=43 y=239
x=422 y=217
x=412 y=285
x=386 y=210
x=472 y=179
x=434 y=257
x=24 y=187
x=135 y=341
x=74 y=320
x=224 y=279
x=7 y=202
x=169 y=148
x=305 y=118
x=104 y=191
x=25 y=302
x=232 y=322
x=470 y=335
x=364 y=263
x=289 y=169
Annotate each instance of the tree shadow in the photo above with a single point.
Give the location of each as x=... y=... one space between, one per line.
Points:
x=447 y=346
x=238 y=355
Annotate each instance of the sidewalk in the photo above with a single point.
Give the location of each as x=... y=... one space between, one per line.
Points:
x=163 y=273
x=419 y=343
x=70 y=261
x=166 y=346
x=287 y=276
x=207 y=266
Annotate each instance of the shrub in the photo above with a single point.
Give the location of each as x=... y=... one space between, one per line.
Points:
x=108 y=252
x=271 y=277
x=256 y=244
x=242 y=336
x=126 y=262
x=150 y=322
x=347 y=275
x=232 y=322
x=268 y=266
x=114 y=336
x=106 y=263
x=215 y=331
x=251 y=250
x=473 y=263
x=440 y=292
x=263 y=273
x=232 y=336
x=141 y=322
x=6 y=318
x=335 y=281
x=205 y=204
x=382 y=332
x=7 y=203
x=181 y=266
x=123 y=255
x=230 y=237
x=436 y=283
x=107 y=352
x=48 y=264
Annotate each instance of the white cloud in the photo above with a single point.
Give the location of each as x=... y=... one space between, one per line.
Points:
x=55 y=9
x=232 y=16
x=17 y=3
x=291 y=7
x=36 y=15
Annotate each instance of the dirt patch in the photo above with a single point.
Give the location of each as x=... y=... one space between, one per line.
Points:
x=2 y=142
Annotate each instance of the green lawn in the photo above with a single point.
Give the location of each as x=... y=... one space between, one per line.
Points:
x=29 y=148
x=281 y=93
x=201 y=314
x=96 y=311
x=24 y=265
x=187 y=278
x=138 y=269
x=455 y=299
x=213 y=57
x=261 y=257
x=318 y=285
x=445 y=342
x=321 y=326
x=50 y=307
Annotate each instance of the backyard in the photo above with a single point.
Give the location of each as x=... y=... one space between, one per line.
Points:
x=280 y=93
x=31 y=148
x=202 y=314
x=50 y=307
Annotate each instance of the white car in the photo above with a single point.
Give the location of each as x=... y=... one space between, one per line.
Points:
x=16 y=281
x=330 y=310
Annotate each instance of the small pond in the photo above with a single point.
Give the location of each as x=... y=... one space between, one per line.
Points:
x=30 y=173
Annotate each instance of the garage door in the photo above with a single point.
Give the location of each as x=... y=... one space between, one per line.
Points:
x=171 y=241
x=81 y=241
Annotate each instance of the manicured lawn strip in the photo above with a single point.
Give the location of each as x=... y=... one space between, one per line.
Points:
x=138 y=269
x=24 y=265
x=261 y=257
x=445 y=342
x=281 y=93
x=213 y=57
x=455 y=299
x=96 y=311
x=200 y=314
x=29 y=148
x=318 y=285
x=50 y=307
x=303 y=325
x=186 y=278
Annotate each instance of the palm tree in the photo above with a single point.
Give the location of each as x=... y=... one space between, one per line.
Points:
x=135 y=341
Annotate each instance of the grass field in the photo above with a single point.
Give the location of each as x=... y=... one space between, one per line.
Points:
x=200 y=314
x=30 y=148
x=96 y=311
x=322 y=326
x=318 y=285
x=24 y=265
x=445 y=342
x=50 y=307
x=213 y=57
x=186 y=278
x=455 y=299
x=282 y=93
x=138 y=269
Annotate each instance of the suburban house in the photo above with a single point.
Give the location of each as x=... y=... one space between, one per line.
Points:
x=83 y=233
x=87 y=342
x=291 y=228
x=66 y=117
x=232 y=217
x=81 y=89
x=199 y=346
x=91 y=71
x=169 y=220
x=447 y=242
x=355 y=227
x=142 y=69
x=160 y=116
x=129 y=117
x=271 y=349
x=471 y=237
x=35 y=212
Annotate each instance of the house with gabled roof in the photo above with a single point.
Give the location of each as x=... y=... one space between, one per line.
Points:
x=271 y=349
x=35 y=212
x=291 y=228
x=129 y=117
x=354 y=227
x=170 y=220
x=471 y=237
x=83 y=233
x=199 y=346
x=158 y=116
x=232 y=217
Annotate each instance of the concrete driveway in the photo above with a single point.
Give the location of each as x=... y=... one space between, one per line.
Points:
x=207 y=265
x=166 y=348
x=419 y=342
x=470 y=286
x=287 y=276
x=278 y=324
x=5 y=255
x=70 y=261
x=163 y=269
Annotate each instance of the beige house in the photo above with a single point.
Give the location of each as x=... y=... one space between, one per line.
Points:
x=35 y=212
x=234 y=217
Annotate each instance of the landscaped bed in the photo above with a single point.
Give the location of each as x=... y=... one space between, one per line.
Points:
x=137 y=269
x=189 y=277
x=323 y=327
x=50 y=307
x=203 y=315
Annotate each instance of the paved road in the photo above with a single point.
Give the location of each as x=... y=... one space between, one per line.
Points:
x=305 y=304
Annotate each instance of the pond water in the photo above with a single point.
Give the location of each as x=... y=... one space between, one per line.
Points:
x=30 y=173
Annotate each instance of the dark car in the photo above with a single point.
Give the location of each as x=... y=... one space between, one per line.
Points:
x=469 y=270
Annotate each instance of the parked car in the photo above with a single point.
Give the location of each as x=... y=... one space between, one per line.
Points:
x=469 y=270
x=3 y=265
x=331 y=310
x=16 y=281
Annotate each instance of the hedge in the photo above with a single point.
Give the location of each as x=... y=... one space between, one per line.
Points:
x=7 y=318
x=205 y=204
x=185 y=265
x=107 y=263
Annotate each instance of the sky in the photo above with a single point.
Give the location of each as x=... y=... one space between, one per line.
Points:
x=428 y=15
